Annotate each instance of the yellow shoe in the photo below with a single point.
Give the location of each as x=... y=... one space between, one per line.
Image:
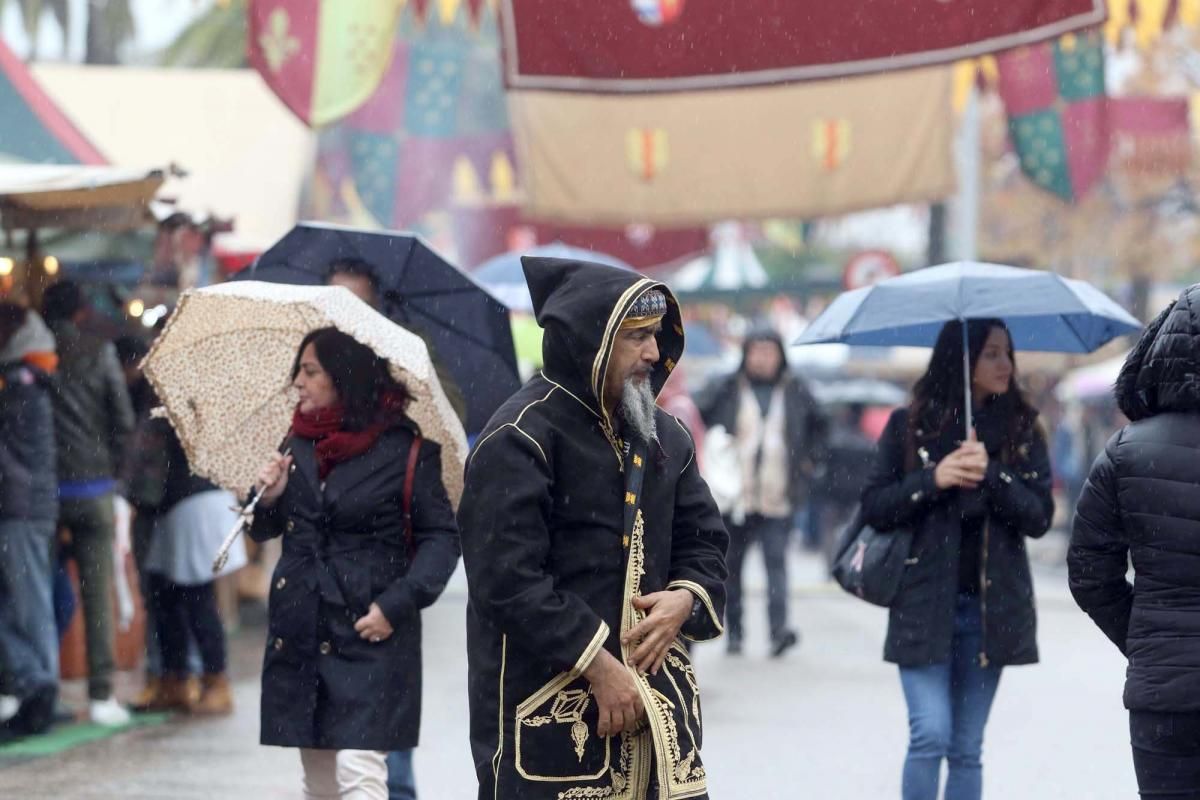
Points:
x=148 y=694
x=216 y=696
x=170 y=694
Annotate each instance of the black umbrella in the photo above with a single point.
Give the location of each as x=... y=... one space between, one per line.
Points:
x=467 y=327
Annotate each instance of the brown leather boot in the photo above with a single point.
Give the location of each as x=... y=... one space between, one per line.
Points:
x=148 y=694
x=191 y=690
x=216 y=696
x=170 y=694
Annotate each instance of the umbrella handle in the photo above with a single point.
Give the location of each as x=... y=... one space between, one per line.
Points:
x=245 y=516
x=223 y=554
x=967 y=381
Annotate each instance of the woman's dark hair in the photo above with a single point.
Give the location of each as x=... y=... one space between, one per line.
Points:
x=939 y=396
x=359 y=377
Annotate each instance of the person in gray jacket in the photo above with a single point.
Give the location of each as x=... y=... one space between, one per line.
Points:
x=93 y=420
x=28 y=510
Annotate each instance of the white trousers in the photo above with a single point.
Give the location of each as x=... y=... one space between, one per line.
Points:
x=344 y=774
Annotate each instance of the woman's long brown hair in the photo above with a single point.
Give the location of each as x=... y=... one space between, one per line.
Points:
x=938 y=397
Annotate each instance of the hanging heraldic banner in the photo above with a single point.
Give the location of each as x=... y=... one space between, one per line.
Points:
x=678 y=45
x=797 y=150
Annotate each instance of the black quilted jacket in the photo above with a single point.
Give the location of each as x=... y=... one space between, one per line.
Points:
x=1141 y=503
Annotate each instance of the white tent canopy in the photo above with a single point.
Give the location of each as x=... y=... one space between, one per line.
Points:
x=730 y=266
x=245 y=153
x=71 y=196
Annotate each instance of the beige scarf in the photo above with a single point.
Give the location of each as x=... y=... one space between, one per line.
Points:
x=764 y=480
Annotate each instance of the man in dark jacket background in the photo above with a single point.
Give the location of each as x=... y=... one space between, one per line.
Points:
x=93 y=419
x=28 y=510
x=780 y=434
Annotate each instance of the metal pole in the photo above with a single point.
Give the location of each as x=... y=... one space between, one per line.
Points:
x=967 y=378
x=964 y=208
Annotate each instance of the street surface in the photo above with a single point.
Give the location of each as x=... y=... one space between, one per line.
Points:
x=826 y=721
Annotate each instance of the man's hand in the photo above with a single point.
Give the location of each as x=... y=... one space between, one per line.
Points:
x=666 y=613
x=374 y=627
x=616 y=695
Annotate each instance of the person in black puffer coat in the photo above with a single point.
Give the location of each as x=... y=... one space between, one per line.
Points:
x=965 y=607
x=1141 y=503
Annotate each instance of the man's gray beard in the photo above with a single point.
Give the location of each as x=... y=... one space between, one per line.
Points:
x=637 y=409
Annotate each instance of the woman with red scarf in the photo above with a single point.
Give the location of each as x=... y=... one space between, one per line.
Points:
x=369 y=539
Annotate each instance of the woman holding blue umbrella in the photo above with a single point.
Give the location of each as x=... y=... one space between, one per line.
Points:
x=965 y=608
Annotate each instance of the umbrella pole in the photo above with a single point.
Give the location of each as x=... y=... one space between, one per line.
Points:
x=967 y=379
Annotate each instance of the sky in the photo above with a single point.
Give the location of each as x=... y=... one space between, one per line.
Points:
x=157 y=23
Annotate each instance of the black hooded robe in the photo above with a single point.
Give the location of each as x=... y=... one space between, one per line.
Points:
x=558 y=537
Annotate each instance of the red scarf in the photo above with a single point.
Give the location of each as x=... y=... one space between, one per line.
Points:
x=334 y=445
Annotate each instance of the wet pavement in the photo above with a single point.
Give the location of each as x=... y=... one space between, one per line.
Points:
x=826 y=721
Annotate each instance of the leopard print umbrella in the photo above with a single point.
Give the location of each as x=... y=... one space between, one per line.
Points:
x=222 y=369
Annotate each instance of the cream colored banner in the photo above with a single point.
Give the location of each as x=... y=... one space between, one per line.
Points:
x=799 y=150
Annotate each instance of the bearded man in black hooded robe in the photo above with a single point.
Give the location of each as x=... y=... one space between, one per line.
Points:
x=591 y=545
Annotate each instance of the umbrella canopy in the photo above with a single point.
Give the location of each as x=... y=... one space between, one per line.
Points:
x=222 y=369
x=467 y=328
x=1043 y=311
x=1092 y=381
x=504 y=277
x=862 y=391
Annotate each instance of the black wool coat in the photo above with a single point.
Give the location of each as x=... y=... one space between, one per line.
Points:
x=344 y=548
x=553 y=563
x=1018 y=504
x=1141 y=505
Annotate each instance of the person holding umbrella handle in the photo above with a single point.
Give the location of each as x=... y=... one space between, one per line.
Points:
x=965 y=608
x=369 y=539
x=964 y=468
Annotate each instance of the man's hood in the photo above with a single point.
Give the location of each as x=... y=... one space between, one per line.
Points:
x=1162 y=372
x=580 y=306
x=33 y=338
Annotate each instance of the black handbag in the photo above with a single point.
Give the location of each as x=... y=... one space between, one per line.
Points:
x=870 y=564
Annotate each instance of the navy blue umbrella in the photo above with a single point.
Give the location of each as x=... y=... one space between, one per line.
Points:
x=1044 y=311
x=467 y=328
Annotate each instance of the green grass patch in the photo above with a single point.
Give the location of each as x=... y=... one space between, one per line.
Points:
x=65 y=737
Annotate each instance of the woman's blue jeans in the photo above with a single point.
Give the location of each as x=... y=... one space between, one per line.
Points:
x=402 y=784
x=948 y=707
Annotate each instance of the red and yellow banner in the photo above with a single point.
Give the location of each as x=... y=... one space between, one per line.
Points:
x=798 y=150
x=323 y=58
x=677 y=45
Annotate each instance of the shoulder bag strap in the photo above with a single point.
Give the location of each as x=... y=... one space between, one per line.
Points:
x=410 y=476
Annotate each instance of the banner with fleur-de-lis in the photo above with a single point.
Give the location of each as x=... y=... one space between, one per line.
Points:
x=323 y=58
x=1057 y=107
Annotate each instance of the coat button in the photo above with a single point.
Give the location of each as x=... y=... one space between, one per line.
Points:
x=291 y=526
x=916 y=497
x=279 y=644
x=325 y=648
x=282 y=582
